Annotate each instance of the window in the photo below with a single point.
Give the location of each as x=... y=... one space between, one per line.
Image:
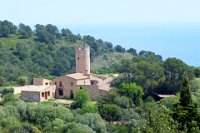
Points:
x=92 y=82
x=42 y=94
x=61 y=92
x=48 y=93
x=50 y=83
x=71 y=94
x=84 y=81
x=46 y=83
x=78 y=58
x=71 y=83
x=60 y=84
x=55 y=83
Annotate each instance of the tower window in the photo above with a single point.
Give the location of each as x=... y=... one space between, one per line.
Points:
x=78 y=58
x=71 y=83
x=60 y=84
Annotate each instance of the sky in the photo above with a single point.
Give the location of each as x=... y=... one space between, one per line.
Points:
x=168 y=27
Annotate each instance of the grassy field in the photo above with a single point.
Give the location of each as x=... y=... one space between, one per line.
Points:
x=65 y=102
x=56 y=101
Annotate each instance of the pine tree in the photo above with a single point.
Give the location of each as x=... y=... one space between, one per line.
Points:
x=185 y=111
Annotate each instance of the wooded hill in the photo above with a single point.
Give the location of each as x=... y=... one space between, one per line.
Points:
x=47 y=51
x=126 y=108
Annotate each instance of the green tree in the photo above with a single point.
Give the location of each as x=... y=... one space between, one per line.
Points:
x=24 y=30
x=81 y=97
x=1 y=80
x=5 y=91
x=197 y=72
x=174 y=69
x=185 y=111
x=106 y=98
x=132 y=91
x=119 y=48
x=88 y=108
x=132 y=51
x=149 y=54
x=52 y=29
x=146 y=72
x=7 y=28
x=80 y=128
x=22 y=80
x=123 y=102
x=69 y=35
x=47 y=34
x=159 y=119
x=10 y=99
x=93 y=120
x=111 y=112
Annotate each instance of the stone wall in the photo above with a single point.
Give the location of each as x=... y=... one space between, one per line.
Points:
x=66 y=85
x=93 y=91
x=83 y=59
x=38 y=96
x=30 y=96
x=48 y=93
x=41 y=81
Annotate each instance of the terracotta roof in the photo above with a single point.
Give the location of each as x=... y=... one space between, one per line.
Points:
x=93 y=77
x=77 y=76
x=32 y=88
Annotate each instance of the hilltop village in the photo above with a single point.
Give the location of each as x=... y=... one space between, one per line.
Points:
x=65 y=86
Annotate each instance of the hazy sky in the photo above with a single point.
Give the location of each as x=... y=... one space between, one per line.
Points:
x=72 y=12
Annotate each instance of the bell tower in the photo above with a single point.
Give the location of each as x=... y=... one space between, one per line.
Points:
x=83 y=59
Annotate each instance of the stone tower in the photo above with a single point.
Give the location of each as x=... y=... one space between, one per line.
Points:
x=83 y=59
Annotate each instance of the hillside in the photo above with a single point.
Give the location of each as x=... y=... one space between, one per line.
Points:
x=48 y=52
x=103 y=63
x=130 y=106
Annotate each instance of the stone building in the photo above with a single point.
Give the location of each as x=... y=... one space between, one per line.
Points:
x=65 y=86
x=39 y=93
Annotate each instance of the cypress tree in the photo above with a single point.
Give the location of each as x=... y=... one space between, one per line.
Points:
x=185 y=111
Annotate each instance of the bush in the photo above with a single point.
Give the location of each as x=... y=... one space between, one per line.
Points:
x=93 y=120
x=5 y=91
x=81 y=97
x=111 y=112
x=123 y=102
x=89 y=108
x=9 y=99
x=22 y=80
x=80 y=128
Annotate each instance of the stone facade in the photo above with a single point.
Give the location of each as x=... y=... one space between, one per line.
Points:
x=65 y=86
x=41 y=81
x=37 y=93
x=83 y=59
